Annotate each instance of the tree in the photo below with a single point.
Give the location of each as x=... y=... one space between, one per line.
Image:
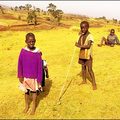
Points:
x=1 y=9
x=55 y=13
x=51 y=7
x=16 y=8
x=38 y=10
x=114 y=20
x=104 y=18
x=32 y=17
x=28 y=6
x=11 y=8
x=21 y=7
x=58 y=15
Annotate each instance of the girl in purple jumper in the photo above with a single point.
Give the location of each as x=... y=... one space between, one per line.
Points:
x=30 y=71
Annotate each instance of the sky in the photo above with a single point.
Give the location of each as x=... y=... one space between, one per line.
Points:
x=109 y=9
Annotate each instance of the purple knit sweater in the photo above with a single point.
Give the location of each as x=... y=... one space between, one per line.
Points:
x=30 y=65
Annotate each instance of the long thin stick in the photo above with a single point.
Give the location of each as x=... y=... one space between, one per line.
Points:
x=63 y=92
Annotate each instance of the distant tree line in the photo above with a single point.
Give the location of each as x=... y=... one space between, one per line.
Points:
x=108 y=21
x=55 y=15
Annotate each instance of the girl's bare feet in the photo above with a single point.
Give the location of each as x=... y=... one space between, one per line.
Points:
x=32 y=112
x=26 y=109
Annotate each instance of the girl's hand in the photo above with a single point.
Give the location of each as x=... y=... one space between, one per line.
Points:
x=21 y=80
x=40 y=88
x=47 y=76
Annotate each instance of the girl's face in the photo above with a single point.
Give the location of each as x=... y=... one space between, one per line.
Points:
x=84 y=28
x=112 y=32
x=30 y=42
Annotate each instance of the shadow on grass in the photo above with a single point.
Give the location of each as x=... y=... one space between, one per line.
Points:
x=42 y=95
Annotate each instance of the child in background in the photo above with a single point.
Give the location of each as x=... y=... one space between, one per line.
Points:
x=30 y=71
x=45 y=73
x=111 y=40
x=85 y=57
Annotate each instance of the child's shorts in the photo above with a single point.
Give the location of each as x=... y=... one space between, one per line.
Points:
x=85 y=61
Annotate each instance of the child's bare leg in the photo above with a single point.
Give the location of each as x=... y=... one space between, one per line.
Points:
x=102 y=42
x=34 y=96
x=92 y=76
x=84 y=74
x=26 y=102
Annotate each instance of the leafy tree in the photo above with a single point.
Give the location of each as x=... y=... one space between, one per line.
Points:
x=1 y=9
x=11 y=8
x=55 y=13
x=28 y=6
x=58 y=15
x=51 y=7
x=21 y=7
x=32 y=17
x=24 y=8
x=103 y=17
x=114 y=20
x=16 y=8
x=38 y=10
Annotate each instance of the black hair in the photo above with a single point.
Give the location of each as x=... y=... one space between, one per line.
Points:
x=84 y=22
x=30 y=35
x=112 y=30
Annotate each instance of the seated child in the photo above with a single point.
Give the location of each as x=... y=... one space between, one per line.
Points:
x=111 y=40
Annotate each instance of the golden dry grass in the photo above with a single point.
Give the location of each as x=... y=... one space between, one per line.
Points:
x=79 y=101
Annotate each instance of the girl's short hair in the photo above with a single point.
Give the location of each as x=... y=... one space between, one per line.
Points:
x=112 y=30
x=84 y=22
x=30 y=35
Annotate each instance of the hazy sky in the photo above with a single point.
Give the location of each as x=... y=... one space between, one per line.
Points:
x=109 y=9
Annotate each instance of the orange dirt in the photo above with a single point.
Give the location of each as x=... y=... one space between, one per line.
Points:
x=7 y=16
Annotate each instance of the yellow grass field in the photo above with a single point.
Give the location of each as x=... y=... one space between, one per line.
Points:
x=79 y=101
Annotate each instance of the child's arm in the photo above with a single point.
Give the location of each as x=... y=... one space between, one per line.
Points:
x=84 y=46
x=108 y=38
x=21 y=80
x=20 y=68
x=40 y=69
x=116 y=39
x=46 y=70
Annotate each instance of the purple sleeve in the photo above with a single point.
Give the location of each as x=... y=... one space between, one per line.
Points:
x=20 y=67
x=40 y=67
